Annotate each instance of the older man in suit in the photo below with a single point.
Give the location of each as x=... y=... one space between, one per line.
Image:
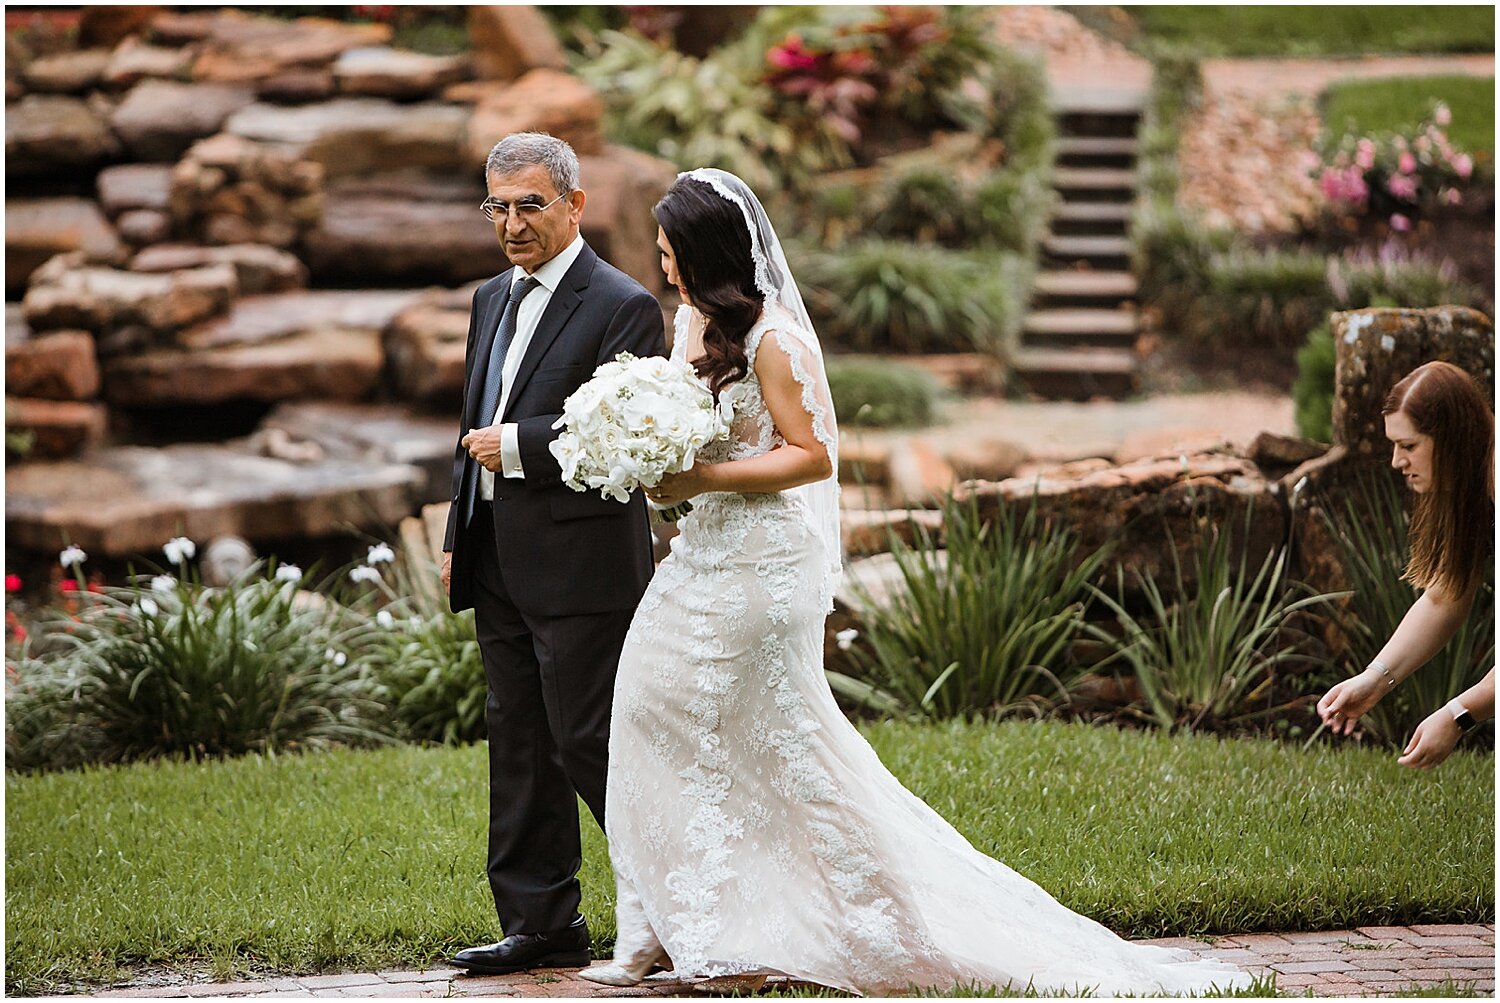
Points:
x=553 y=575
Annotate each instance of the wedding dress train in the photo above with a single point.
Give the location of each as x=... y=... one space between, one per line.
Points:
x=753 y=829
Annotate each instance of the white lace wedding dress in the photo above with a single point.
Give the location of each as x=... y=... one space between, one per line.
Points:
x=752 y=828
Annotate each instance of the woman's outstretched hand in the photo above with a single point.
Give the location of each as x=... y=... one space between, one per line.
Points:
x=1432 y=742
x=1350 y=700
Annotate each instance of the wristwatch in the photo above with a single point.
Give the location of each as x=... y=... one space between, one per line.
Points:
x=1461 y=715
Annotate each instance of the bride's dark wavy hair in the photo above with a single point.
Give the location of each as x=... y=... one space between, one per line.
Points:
x=711 y=243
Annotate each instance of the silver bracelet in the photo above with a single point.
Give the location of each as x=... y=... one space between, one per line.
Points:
x=1390 y=677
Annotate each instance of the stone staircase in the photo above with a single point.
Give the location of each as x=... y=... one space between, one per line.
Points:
x=1078 y=340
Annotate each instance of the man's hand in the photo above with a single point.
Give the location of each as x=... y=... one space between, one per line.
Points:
x=447 y=573
x=1432 y=742
x=484 y=445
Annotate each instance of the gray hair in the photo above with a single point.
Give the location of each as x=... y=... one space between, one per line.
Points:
x=521 y=150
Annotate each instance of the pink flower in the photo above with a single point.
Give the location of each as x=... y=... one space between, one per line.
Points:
x=1364 y=155
x=12 y=583
x=1452 y=196
x=1310 y=161
x=1463 y=165
x=1400 y=223
x=1403 y=186
x=1406 y=164
x=1442 y=116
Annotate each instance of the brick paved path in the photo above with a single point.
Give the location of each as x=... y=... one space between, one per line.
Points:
x=1369 y=961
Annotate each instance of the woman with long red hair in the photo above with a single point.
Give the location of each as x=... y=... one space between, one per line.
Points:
x=1443 y=436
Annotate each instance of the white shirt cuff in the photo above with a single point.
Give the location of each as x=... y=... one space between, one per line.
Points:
x=510 y=451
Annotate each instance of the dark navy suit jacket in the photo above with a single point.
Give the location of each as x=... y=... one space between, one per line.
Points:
x=562 y=552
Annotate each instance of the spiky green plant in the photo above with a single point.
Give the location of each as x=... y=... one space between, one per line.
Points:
x=984 y=630
x=184 y=670
x=1207 y=652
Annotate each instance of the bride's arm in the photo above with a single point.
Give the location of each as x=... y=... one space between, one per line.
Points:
x=802 y=460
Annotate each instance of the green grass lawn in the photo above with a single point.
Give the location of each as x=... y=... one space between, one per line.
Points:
x=1401 y=103
x=1318 y=31
x=365 y=859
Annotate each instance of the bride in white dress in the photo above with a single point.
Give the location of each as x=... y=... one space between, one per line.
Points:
x=751 y=828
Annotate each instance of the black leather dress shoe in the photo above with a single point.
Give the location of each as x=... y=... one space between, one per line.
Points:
x=565 y=948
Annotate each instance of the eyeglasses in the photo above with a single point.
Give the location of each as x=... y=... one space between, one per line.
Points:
x=526 y=210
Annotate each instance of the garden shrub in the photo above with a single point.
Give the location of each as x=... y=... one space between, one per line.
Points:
x=426 y=664
x=880 y=394
x=1206 y=655
x=1369 y=526
x=177 y=669
x=877 y=295
x=1312 y=394
x=979 y=627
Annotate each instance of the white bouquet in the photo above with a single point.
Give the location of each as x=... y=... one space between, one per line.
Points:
x=633 y=422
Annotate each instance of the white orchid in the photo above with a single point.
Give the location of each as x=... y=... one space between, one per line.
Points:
x=164 y=584
x=364 y=573
x=289 y=573
x=148 y=606
x=179 y=550
x=634 y=422
x=385 y=619
x=845 y=638
x=338 y=658
x=72 y=556
x=380 y=554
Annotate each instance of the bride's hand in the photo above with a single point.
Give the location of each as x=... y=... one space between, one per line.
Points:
x=674 y=488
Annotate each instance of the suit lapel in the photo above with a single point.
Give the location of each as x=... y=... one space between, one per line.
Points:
x=484 y=344
x=560 y=307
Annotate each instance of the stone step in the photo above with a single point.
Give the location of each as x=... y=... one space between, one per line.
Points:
x=1112 y=253
x=1096 y=146
x=1093 y=212
x=1081 y=321
x=1086 y=285
x=1124 y=102
x=130 y=500
x=1104 y=124
x=1111 y=179
x=1077 y=373
x=1091 y=219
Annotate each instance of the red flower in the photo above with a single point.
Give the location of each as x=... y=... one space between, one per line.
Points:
x=12 y=583
x=791 y=55
x=68 y=585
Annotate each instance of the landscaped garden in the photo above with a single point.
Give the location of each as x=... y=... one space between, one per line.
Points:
x=283 y=772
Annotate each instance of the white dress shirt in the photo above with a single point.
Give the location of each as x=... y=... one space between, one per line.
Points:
x=527 y=315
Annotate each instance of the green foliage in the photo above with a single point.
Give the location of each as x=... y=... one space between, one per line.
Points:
x=880 y=394
x=367 y=860
x=1171 y=255
x=1317 y=30
x=704 y=113
x=188 y=671
x=1403 y=104
x=877 y=295
x=1017 y=109
x=1370 y=530
x=925 y=204
x=979 y=627
x=1312 y=394
x=1208 y=653
x=1276 y=297
x=426 y=663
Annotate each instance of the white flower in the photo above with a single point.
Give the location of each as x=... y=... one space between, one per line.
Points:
x=338 y=658
x=635 y=421
x=845 y=638
x=289 y=573
x=72 y=556
x=179 y=549
x=364 y=573
x=385 y=619
x=148 y=606
x=164 y=584
x=380 y=554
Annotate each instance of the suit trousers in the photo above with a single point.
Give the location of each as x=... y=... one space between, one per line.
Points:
x=551 y=685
